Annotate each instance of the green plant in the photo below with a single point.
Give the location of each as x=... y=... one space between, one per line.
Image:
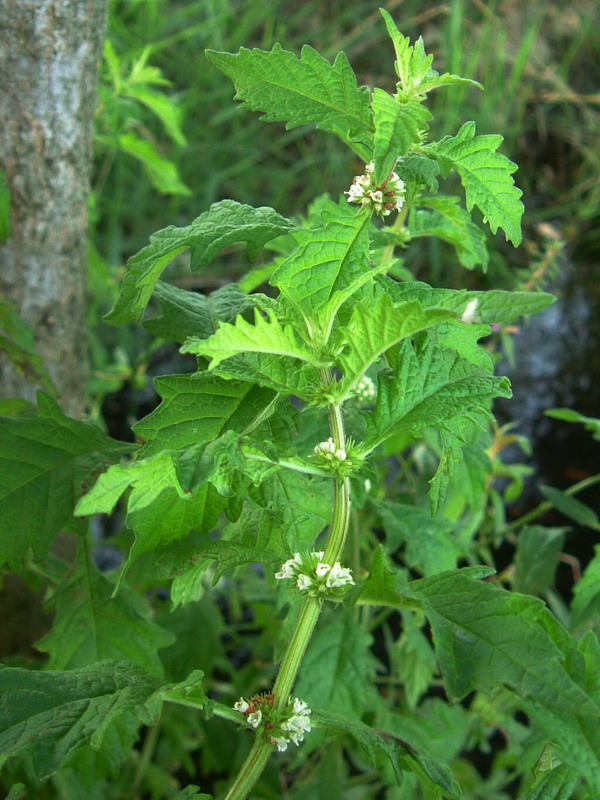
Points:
x=323 y=484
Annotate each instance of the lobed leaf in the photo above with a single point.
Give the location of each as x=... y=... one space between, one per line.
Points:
x=186 y=313
x=330 y=259
x=50 y=715
x=398 y=125
x=301 y=91
x=225 y=223
x=401 y=754
x=91 y=625
x=45 y=463
x=376 y=327
x=451 y=223
x=485 y=176
x=430 y=387
x=267 y=335
x=200 y=408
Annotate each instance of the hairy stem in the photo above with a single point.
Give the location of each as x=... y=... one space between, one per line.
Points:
x=290 y=664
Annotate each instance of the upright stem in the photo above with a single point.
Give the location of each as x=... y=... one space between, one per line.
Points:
x=290 y=664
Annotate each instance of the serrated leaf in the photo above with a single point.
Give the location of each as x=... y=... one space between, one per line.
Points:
x=225 y=223
x=267 y=335
x=571 y=507
x=586 y=602
x=159 y=509
x=578 y=734
x=91 y=626
x=186 y=313
x=493 y=306
x=376 y=327
x=278 y=373
x=537 y=558
x=431 y=387
x=485 y=637
x=338 y=667
x=45 y=462
x=398 y=126
x=50 y=715
x=413 y=65
x=448 y=221
x=401 y=754
x=200 y=408
x=431 y=546
x=486 y=178
x=330 y=259
x=419 y=170
x=301 y=91
x=553 y=782
x=385 y=586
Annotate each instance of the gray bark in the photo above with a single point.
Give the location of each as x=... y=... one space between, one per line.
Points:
x=49 y=53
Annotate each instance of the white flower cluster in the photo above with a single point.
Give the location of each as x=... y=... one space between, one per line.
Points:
x=253 y=717
x=384 y=199
x=365 y=390
x=330 y=451
x=314 y=576
x=294 y=728
x=283 y=727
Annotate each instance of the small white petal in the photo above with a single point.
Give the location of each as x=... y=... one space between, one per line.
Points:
x=254 y=718
x=322 y=570
x=303 y=582
x=241 y=705
x=468 y=315
x=280 y=743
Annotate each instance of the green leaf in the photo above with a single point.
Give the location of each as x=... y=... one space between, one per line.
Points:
x=288 y=376
x=376 y=327
x=267 y=335
x=45 y=463
x=301 y=91
x=493 y=306
x=413 y=66
x=576 y=734
x=431 y=546
x=330 y=259
x=450 y=222
x=338 y=667
x=186 y=313
x=163 y=107
x=90 y=625
x=385 y=586
x=162 y=173
x=224 y=224
x=431 y=387
x=398 y=125
x=50 y=715
x=200 y=408
x=159 y=509
x=486 y=178
x=17 y=343
x=553 y=780
x=571 y=507
x=485 y=637
x=537 y=558
x=401 y=754
x=568 y=415
x=586 y=602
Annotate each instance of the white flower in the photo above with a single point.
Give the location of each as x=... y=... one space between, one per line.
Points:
x=468 y=315
x=288 y=570
x=328 y=450
x=299 y=705
x=303 y=582
x=340 y=454
x=280 y=743
x=383 y=198
x=322 y=569
x=241 y=706
x=339 y=576
x=254 y=718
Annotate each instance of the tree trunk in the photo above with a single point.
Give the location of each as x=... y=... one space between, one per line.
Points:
x=49 y=53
